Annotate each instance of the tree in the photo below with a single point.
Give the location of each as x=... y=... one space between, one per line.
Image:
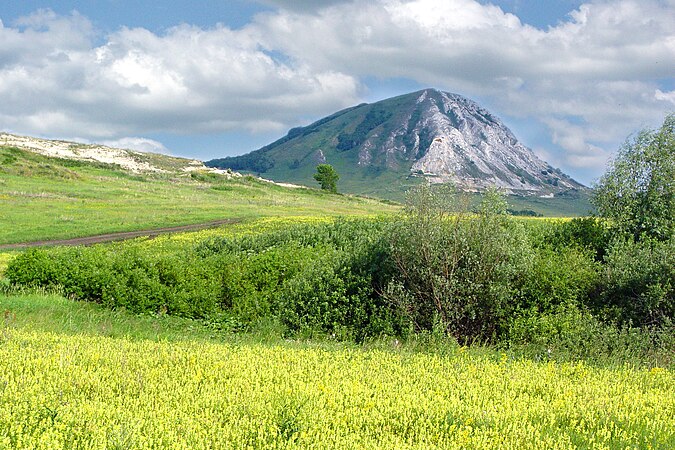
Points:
x=638 y=190
x=327 y=177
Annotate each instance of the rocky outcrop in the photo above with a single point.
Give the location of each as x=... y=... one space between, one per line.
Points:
x=450 y=138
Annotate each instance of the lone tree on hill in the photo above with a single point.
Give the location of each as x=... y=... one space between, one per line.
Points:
x=638 y=190
x=327 y=177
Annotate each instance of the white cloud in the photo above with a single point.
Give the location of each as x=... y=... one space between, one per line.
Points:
x=138 y=143
x=665 y=96
x=575 y=139
x=303 y=5
x=55 y=80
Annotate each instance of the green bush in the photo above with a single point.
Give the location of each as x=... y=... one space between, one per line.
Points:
x=33 y=267
x=563 y=330
x=82 y=272
x=566 y=275
x=570 y=333
x=325 y=297
x=252 y=282
x=461 y=270
x=638 y=282
x=123 y=276
x=585 y=232
x=335 y=294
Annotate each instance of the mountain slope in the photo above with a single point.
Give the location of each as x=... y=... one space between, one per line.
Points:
x=384 y=147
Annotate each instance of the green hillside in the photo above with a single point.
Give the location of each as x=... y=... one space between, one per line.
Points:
x=334 y=140
x=52 y=198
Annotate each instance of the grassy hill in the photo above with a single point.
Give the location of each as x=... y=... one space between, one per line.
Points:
x=52 y=198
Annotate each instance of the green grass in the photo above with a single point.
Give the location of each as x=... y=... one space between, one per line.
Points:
x=49 y=198
x=53 y=313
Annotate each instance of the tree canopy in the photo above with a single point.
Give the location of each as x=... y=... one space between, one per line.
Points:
x=327 y=177
x=638 y=190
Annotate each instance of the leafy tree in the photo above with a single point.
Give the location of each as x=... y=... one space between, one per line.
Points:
x=638 y=190
x=327 y=177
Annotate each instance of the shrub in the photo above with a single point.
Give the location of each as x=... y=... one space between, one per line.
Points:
x=638 y=282
x=33 y=267
x=570 y=333
x=563 y=330
x=585 y=232
x=324 y=297
x=566 y=275
x=461 y=270
x=252 y=283
x=331 y=295
x=123 y=276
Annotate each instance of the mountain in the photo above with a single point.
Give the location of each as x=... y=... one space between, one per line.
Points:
x=385 y=147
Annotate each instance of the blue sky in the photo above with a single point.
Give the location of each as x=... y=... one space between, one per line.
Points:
x=207 y=79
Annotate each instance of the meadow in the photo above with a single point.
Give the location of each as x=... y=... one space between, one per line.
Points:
x=50 y=198
x=87 y=377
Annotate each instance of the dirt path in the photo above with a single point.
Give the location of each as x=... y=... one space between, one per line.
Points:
x=119 y=236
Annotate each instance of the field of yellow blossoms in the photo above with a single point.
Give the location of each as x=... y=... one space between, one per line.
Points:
x=78 y=391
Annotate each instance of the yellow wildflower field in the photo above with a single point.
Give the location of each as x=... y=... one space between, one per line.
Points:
x=61 y=391
x=250 y=227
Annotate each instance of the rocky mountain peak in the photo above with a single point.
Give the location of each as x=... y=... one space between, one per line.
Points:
x=450 y=138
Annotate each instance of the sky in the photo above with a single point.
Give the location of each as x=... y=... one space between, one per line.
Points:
x=572 y=79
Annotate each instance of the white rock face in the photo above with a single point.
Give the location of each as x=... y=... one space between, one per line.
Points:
x=450 y=138
x=320 y=157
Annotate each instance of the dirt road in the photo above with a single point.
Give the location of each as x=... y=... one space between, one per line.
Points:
x=120 y=236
